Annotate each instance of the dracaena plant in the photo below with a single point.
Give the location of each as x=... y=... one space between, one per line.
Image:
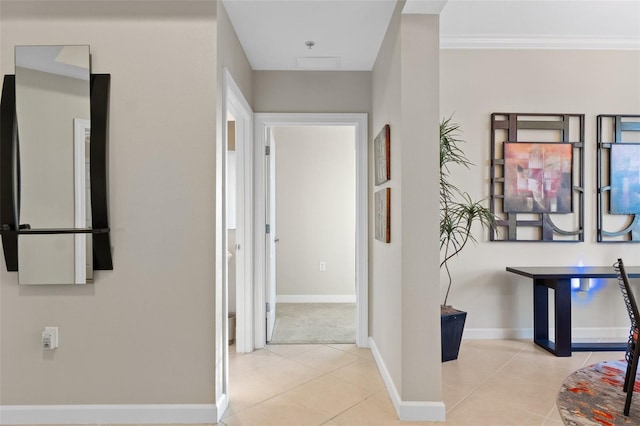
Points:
x=458 y=211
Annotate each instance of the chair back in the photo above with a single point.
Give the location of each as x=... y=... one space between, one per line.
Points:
x=629 y=301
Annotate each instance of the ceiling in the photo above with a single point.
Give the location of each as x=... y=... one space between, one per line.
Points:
x=348 y=33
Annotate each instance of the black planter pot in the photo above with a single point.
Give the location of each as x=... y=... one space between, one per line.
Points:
x=451 y=327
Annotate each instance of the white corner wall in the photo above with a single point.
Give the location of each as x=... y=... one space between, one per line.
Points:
x=476 y=83
x=143 y=334
x=315 y=208
x=406 y=321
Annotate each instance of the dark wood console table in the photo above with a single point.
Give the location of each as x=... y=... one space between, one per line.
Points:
x=558 y=279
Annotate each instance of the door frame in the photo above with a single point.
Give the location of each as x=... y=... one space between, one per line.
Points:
x=264 y=121
x=234 y=102
x=239 y=107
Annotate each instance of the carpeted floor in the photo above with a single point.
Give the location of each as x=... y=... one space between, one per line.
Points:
x=593 y=396
x=315 y=323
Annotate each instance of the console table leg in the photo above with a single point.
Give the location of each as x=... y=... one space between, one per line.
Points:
x=540 y=312
x=563 y=317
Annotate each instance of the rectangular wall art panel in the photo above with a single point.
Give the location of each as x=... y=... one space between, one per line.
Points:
x=383 y=215
x=625 y=179
x=382 y=155
x=537 y=177
x=618 y=167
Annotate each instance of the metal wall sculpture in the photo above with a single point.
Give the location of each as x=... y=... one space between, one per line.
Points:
x=618 y=168
x=537 y=177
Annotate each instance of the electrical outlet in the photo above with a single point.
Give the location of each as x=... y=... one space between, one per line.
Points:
x=50 y=338
x=323 y=266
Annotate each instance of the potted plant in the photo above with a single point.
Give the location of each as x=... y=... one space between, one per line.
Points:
x=458 y=213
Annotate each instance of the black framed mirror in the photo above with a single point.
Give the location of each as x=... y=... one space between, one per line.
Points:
x=53 y=167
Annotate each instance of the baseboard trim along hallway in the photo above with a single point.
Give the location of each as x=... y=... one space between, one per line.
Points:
x=617 y=333
x=316 y=298
x=407 y=410
x=108 y=414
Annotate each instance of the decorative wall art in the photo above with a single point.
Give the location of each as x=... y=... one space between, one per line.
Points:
x=537 y=177
x=625 y=179
x=618 y=174
x=382 y=155
x=383 y=215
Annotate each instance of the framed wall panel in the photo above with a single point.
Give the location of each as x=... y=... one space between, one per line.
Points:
x=382 y=155
x=537 y=177
x=618 y=178
x=383 y=215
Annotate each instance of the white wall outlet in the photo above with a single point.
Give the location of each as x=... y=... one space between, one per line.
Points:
x=323 y=266
x=50 y=338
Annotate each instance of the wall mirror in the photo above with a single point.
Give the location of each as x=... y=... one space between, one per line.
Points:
x=56 y=141
x=53 y=110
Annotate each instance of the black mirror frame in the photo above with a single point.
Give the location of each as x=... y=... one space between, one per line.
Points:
x=9 y=162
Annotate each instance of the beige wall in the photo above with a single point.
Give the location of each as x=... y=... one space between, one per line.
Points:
x=143 y=333
x=385 y=260
x=231 y=56
x=312 y=91
x=473 y=85
x=315 y=190
x=405 y=320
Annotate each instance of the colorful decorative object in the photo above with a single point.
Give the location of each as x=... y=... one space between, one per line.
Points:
x=593 y=396
x=537 y=177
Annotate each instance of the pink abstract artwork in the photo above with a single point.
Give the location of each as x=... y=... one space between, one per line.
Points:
x=537 y=177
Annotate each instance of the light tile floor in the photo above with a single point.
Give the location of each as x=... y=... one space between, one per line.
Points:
x=493 y=382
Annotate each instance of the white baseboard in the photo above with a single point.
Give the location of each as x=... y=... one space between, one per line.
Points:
x=316 y=298
x=621 y=333
x=407 y=410
x=221 y=406
x=497 y=333
x=108 y=414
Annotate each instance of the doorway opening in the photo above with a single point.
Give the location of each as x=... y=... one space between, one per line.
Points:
x=268 y=128
x=311 y=239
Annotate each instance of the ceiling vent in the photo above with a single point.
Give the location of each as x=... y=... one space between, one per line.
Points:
x=318 y=63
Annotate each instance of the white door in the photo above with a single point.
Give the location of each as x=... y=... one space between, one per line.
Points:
x=271 y=238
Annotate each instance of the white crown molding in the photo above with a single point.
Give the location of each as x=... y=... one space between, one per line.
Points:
x=471 y=41
x=108 y=414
